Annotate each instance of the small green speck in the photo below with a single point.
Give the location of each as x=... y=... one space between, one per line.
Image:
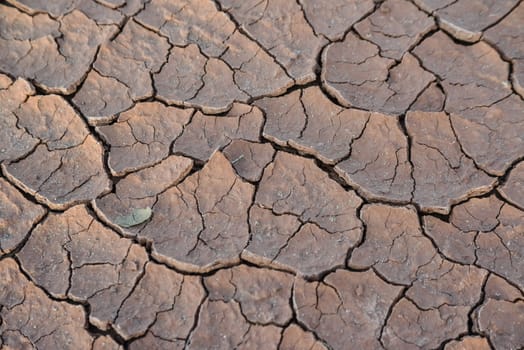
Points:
x=137 y=217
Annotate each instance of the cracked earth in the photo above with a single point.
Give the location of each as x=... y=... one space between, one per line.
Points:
x=262 y=174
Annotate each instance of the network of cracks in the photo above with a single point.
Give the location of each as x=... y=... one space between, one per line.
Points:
x=262 y=174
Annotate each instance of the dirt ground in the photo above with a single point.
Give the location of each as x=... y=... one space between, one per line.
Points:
x=262 y=174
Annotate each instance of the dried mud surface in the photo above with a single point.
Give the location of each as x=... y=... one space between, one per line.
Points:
x=275 y=174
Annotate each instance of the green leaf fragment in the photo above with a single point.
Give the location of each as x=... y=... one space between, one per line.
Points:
x=137 y=217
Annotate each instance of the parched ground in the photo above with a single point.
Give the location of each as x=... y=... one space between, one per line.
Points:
x=262 y=174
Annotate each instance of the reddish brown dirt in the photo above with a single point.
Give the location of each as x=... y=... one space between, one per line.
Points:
x=275 y=174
